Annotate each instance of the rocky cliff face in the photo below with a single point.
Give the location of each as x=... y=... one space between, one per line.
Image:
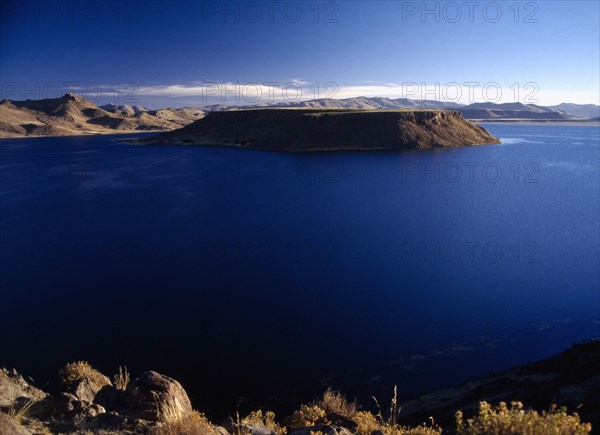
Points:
x=330 y=130
x=73 y=114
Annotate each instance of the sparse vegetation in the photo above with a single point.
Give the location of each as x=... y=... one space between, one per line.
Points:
x=334 y=402
x=392 y=418
x=121 y=379
x=238 y=427
x=502 y=420
x=366 y=422
x=19 y=412
x=266 y=420
x=307 y=416
x=331 y=410
x=388 y=425
x=193 y=423
x=80 y=370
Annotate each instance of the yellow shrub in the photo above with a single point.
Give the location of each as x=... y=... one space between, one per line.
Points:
x=80 y=370
x=334 y=402
x=191 y=423
x=503 y=420
x=306 y=416
x=366 y=423
x=267 y=420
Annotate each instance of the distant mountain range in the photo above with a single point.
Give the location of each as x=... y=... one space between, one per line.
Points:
x=579 y=110
x=476 y=111
x=73 y=114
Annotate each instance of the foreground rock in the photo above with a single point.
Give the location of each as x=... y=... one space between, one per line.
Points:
x=152 y=395
x=75 y=115
x=14 y=387
x=87 y=402
x=9 y=426
x=329 y=130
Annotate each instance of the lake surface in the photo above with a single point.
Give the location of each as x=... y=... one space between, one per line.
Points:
x=260 y=278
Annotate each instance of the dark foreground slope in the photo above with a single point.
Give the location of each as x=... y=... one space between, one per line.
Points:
x=329 y=130
x=89 y=402
x=571 y=379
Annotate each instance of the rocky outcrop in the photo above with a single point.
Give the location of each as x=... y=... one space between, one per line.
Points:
x=329 y=130
x=152 y=395
x=75 y=115
x=14 y=387
x=87 y=402
x=156 y=404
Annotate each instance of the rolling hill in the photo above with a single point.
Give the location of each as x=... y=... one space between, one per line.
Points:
x=73 y=114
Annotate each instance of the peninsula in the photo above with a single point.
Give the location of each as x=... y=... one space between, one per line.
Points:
x=329 y=130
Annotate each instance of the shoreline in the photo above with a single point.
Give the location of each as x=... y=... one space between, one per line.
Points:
x=568 y=123
x=474 y=121
x=83 y=134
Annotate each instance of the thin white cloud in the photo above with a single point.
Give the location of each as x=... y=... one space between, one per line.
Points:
x=301 y=90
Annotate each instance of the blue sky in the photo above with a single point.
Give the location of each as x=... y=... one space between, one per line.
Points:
x=178 y=53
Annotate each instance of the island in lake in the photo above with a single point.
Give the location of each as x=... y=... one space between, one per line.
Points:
x=329 y=130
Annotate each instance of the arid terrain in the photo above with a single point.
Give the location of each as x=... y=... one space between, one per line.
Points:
x=75 y=115
x=329 y=130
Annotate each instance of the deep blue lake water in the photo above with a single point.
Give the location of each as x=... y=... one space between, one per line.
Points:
x=261 y=278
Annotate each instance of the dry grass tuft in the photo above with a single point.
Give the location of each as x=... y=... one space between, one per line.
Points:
x=334 y=402
x=191 y=423
x=20 y=412
x=392 y=418
x=80 y=370
x=514 y=420
x=238 y=427
x=266 y=420
x=368 y=423
x=121 y=379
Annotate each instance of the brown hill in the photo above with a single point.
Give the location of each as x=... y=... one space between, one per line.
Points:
x=73 y=114
x=329 y=130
